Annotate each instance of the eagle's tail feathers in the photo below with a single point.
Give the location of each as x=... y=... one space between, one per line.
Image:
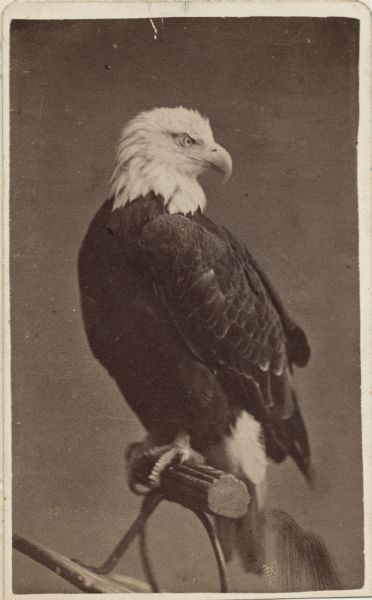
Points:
x=268 y=542
x=295 y=559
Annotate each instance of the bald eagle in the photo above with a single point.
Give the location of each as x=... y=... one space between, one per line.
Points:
x=186 y=322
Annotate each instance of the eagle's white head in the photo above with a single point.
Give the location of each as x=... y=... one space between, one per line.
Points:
x=164 y=150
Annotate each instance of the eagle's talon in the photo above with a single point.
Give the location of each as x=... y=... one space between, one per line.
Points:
x=157 y=459
x=154 y=480
x=177 y=453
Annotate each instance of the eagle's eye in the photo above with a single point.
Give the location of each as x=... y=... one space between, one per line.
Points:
x=187 y=141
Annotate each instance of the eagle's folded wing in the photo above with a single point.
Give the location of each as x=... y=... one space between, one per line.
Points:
x=217 y=298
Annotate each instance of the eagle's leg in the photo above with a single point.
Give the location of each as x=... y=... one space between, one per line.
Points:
x=179 y=451
x=158 y=457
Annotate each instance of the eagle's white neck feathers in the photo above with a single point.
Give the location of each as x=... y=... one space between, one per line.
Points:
x=150 y=159
x=137 y=177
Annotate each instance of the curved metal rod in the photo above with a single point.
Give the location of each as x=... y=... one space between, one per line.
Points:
x=81 y=578
x=220 y=560
x=149 y=504
x=146 y=563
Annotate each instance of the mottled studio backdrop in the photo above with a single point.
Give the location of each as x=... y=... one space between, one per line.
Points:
x=281 y=94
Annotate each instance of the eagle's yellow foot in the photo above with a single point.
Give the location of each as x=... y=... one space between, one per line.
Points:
x=146 y=461
x=178 y=452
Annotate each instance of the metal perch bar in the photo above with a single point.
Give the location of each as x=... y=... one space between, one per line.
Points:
x=80 y=577
x=198 y=487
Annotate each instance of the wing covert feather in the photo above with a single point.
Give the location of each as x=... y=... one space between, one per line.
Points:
x=217 y=298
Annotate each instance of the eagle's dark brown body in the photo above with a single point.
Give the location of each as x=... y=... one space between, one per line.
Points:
x=182 y=318
x=189 y=327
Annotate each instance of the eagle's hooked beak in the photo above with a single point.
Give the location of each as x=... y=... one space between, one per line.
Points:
x=220 y=160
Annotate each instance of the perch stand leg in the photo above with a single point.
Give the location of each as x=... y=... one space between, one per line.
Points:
x=150 y=503
x=220 y=559
x=146 y=563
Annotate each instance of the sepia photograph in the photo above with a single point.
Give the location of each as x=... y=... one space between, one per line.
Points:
x=185 y=308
